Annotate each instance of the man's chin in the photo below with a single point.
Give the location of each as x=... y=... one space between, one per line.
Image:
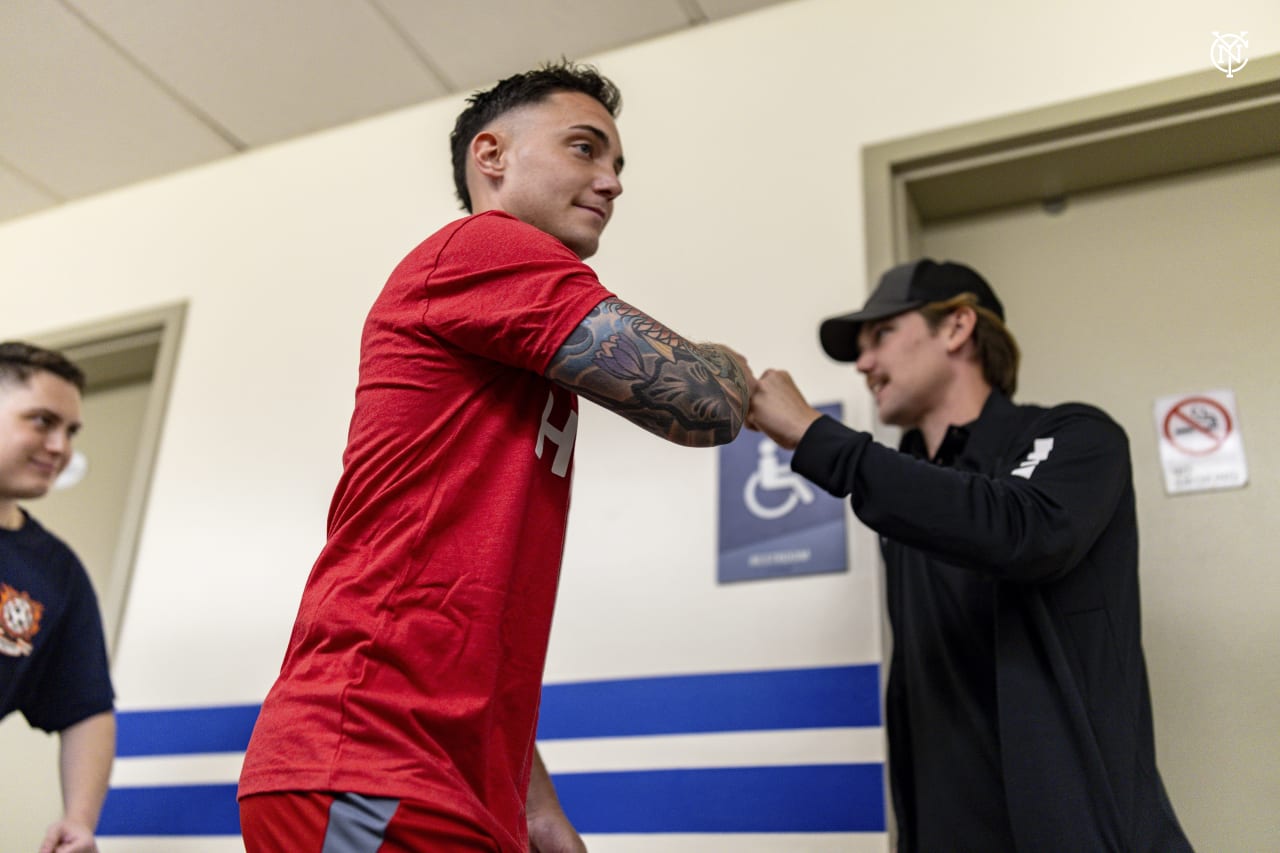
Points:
x=892 y=418
x=30 y=491
x=583 y=248
x=583 y=238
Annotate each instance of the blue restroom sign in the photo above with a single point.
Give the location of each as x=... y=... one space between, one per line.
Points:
x=773 y=522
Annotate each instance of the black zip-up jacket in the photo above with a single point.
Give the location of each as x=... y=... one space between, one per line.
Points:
x=1039 y=502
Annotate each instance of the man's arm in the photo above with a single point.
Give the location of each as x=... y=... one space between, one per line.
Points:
x=621 y=358
x=549 y=828
x=87 y=750
x=779 y=409
x=1014 y=527
x=1025 y=528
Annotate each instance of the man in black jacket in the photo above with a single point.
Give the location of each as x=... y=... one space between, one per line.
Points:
x=1018 y=712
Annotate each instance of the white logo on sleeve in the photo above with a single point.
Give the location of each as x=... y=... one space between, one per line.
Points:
x=563 y=439
x=1034 y=458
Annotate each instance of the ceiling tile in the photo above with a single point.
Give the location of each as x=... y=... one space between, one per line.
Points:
x=18 y=196
x=97 y=94
x=718 y=10
x=267 y=70
x=77 y=117
x=477 y=43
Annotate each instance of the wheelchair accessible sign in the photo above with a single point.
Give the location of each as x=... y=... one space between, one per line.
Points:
x=773 y=522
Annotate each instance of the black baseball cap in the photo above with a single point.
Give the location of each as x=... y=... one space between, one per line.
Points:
x=905 y=288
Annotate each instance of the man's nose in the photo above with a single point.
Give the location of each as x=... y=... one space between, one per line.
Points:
x=58 y=441
x=609 y=184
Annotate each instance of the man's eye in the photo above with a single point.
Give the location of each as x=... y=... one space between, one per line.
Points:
x=584 y=147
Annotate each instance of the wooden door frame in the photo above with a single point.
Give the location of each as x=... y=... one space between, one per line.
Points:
x=128 y=348
x=1148 y=132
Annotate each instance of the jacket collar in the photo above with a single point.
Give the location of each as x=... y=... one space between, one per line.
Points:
x=979 y=440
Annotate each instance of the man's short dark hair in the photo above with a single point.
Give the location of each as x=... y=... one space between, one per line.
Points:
x=531 y=87
x=20 y=361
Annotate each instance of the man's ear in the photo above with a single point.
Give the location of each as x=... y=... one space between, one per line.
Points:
x=488 y=154
x=959 y=326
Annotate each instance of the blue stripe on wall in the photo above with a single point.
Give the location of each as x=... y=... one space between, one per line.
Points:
x=769 y=700
x=722 y=702
x=185 y=731
x=814 y=798
x=171 y=810
x=819 y=798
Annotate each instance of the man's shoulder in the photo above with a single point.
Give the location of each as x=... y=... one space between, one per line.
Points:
x=38 y=566
x=496 y=232
x=32 y=534
x=42 y=544
x=478 y=247
x=1064 y=411
x=1039 y=421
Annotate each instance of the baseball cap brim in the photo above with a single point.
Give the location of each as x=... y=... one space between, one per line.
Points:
x=839 y=335
x=904 y=288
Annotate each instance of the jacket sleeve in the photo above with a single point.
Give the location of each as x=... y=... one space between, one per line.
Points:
x=1032 y=522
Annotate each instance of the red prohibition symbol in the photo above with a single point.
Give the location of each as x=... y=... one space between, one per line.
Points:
x=1197 y=426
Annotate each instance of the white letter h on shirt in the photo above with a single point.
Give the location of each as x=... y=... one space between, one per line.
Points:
x=562 y=438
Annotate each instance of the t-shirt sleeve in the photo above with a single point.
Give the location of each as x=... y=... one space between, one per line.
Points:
x=509 y=292
x=76 y=682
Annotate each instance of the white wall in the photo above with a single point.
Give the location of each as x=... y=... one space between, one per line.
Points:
x=741 y=222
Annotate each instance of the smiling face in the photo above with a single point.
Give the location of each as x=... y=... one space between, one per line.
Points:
x=38 y=419
x=553 y=164
x=907 y=367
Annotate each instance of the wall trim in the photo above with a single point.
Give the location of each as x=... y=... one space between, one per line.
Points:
x=115 y=350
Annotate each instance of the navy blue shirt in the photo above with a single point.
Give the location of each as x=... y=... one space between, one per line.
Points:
x=53 y=657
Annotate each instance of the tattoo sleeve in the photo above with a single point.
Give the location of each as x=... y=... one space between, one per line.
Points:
x=624 y=360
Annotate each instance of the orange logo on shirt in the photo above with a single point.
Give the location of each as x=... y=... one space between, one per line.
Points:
x=19 y=621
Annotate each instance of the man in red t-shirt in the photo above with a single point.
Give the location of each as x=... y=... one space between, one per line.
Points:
x=404 y=715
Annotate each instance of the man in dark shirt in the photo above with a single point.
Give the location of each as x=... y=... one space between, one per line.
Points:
x=53 y=659
x=1017 y=710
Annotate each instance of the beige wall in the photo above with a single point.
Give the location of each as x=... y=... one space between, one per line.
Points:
x=741 y=222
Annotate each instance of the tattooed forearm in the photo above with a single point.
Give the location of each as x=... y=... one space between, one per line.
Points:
x=626 y=361
x=729 y=371
x=643 y=323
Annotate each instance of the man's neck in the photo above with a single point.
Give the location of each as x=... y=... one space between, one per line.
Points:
x=11 y=517
x=962 y=405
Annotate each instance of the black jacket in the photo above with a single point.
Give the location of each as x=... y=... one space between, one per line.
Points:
x=1053 y=526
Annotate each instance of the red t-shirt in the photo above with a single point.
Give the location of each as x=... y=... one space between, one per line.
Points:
x=415 y=665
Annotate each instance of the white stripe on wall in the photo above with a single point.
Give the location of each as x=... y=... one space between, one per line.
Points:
x=726 y=749
x=211 y=769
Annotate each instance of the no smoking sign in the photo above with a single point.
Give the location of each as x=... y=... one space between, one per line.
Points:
x=1200 y=444
x=1197 y=426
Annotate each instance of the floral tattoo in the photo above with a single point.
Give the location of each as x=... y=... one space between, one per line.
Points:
x=626 y=361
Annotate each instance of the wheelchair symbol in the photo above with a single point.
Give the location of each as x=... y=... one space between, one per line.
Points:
x=772 y=476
